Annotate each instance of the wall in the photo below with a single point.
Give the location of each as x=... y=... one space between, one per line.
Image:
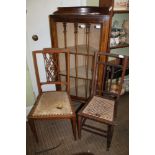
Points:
x=92 y=2
x=30 y=97
x=37 y=22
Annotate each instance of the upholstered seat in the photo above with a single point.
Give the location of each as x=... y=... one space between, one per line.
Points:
x=53 y=103
x=101 y=108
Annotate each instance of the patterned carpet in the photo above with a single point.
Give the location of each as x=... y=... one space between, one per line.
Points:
x=59 y=134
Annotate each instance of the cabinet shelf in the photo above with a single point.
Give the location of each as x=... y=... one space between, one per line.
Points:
x=120 y=46
x=82 y=50
x=120 y=11
x=82 y=73
x=81 y=91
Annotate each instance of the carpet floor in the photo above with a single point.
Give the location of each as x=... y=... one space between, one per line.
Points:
x=58 y=135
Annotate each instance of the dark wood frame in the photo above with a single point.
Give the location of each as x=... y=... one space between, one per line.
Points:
x=106 y=3
x=72 y=117
x=82 y=15
x=82 y=117
x=103 y=3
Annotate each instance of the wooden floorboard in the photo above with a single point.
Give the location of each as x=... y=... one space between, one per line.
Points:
x=53 y=133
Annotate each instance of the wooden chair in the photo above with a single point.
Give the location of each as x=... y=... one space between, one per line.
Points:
x=102 y=106
x=52 y=105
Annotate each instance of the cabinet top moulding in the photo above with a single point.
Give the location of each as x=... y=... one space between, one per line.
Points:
x=81 y=14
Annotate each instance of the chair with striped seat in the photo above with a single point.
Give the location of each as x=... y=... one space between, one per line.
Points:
x=102 y=106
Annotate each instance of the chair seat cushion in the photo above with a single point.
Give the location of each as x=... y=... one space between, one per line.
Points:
x=100 y=107
x=53 y=103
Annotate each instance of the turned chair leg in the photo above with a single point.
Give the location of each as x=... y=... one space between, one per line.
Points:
x=33 y=128
x=79 y=126
x=73 y=122
x=109 y=136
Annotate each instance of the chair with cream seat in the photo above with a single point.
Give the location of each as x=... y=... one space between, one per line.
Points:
x=52 y=105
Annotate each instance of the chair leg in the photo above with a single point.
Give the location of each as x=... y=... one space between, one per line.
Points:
x=32 y=126
x=79 y=126
x=115 y=112
x=115 y=109
x=73 y=122
x=109 y=136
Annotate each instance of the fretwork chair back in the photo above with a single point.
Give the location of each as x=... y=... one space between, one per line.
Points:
x=102 y=106
x=51 y=105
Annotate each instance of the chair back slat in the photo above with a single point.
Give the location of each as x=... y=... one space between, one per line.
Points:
x=114 y=68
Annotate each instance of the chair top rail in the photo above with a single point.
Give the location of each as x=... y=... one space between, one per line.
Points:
x=53 y=50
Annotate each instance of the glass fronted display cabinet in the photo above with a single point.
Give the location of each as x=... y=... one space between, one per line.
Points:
x=84 y=30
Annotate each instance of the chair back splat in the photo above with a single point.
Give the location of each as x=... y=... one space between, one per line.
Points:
x=114 y=68
x=51 y=61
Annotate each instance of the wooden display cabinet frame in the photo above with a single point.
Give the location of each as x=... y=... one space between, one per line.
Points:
x=82 y=15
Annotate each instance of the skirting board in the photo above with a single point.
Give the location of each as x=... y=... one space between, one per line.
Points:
x=28 y=108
